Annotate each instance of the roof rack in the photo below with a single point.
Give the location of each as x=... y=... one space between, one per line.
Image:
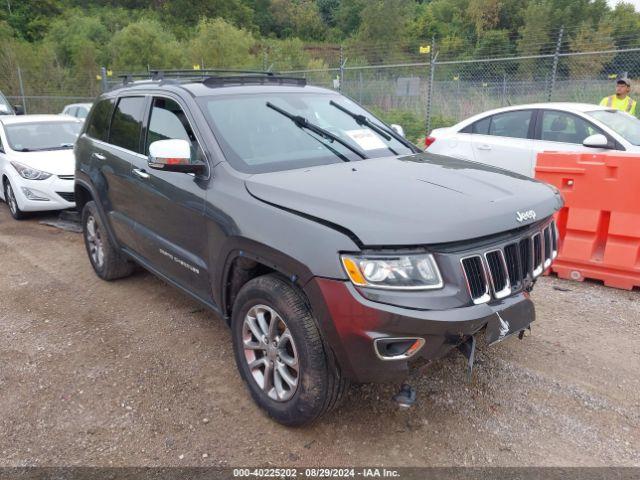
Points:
x=213 y=77
x=252 y=80
x=159 y=73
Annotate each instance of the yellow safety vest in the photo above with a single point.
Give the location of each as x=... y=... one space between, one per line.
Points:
x=627 y=104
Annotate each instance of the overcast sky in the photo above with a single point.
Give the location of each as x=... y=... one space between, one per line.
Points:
x=636 y=3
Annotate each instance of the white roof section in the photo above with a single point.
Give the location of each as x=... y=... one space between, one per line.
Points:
x=14 y=119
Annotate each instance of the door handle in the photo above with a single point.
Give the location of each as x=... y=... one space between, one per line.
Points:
x=484 y=147
x=98 y=156
x=141 y=173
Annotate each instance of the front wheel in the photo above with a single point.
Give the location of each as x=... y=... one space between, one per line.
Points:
x=10 y=198
x=281 y=356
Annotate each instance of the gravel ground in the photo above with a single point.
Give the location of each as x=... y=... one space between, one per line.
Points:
x=135 y=373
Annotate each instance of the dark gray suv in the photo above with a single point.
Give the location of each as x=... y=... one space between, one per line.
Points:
x=335 y=249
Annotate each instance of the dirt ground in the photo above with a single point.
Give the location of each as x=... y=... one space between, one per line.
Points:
x=134 y=372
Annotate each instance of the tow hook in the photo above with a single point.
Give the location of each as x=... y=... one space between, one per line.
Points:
x=521 y=334
x=468 y=349
x=406 y=397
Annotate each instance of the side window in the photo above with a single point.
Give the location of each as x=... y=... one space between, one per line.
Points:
x=511 y=124
x=565 y=127
x=481 y=126
x=168 y=122
x=98 y=124
x=127 y=123
x=72 y=111
x=82 y=112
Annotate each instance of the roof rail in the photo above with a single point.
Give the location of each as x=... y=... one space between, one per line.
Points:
x=248 y=80
x=206 y=72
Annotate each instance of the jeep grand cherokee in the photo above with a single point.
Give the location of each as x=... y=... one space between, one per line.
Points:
x=336 y=250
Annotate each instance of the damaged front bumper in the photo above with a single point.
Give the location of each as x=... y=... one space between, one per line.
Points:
x=354 y=326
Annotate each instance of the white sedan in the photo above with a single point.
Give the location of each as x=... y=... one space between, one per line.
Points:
x=77 y=110
x=511 y=137
x=37 y=163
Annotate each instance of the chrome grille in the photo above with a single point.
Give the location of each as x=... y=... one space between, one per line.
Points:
x=537 y=255
x=512 y=259
x=499 y=272
x=476 y=278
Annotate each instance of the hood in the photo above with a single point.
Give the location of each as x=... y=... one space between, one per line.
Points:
x=56 y=162
x=414 y=200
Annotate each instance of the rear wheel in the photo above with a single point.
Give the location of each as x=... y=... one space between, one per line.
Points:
x=281 y=356
x=106 y=260
x=10 y=198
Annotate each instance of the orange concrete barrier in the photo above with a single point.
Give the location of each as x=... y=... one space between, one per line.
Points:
x=599 y=226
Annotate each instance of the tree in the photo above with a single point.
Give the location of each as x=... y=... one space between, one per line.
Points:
x=298 y=18
x=589 y=39
x=535 y=36
x=73 y=32
x=217 y=43
x=142 y=44
x=485 y=14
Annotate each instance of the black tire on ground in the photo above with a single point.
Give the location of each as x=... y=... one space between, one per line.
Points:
x=320 y=386
x=110 y=264
x=12 y=203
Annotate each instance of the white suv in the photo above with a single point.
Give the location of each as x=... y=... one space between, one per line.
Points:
x=511 y=137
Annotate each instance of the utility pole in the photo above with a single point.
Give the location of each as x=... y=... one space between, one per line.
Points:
x=432 y=71
x=24 y=102
x=554 y=70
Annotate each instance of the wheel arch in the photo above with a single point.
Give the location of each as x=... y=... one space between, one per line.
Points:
x=247 y=259
x=84 y=193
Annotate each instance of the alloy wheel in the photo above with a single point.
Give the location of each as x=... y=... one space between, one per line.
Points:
x=94 y=240
x=270 y=353
x=11 y=199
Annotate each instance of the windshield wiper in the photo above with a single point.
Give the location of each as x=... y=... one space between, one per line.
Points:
x=386 y=133
x=302 y=122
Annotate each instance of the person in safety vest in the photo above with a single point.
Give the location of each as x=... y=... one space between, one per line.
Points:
x=621 y=100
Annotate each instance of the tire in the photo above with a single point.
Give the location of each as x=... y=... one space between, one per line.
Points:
x=10 y=198
x=106 y=260
x=319 y=385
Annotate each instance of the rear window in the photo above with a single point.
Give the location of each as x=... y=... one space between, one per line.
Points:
x=127 y=123
x=98 y=126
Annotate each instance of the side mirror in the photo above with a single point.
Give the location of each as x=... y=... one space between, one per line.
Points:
x=596 y=141
x=173 y=156
x=398 y=129
x=19 y=109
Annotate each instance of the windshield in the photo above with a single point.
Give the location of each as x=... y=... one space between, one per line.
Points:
x=37 y=136
x=256 y=138
x=5 y=106
x=625 y=125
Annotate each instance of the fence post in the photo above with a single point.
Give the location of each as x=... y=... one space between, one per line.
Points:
x=504 y=88
x=432 y=69
x=24 y=101
x=554 y=70
x=341 y=71
x=103 y=74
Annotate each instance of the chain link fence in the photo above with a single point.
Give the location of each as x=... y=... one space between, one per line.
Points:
x=423 y=92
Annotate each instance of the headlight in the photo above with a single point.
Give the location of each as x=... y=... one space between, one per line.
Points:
x=394 y=272
x=30 y=173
